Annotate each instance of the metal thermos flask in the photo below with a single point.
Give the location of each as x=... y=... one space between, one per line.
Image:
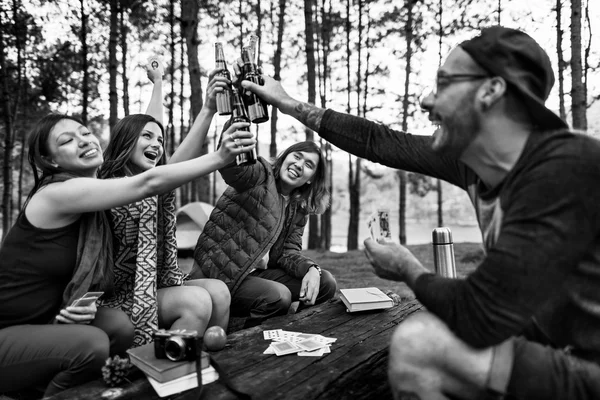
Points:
x=443 y=252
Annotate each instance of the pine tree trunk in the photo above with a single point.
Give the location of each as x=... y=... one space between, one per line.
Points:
x=578 y=100
x=124 y=52
x=561 y=61
x=310 y=57
x=408 y=31
x=7 y=167
x=277 y=75
x=112 y=63
x=189 y=28
x=85 y=85
x=171 y=111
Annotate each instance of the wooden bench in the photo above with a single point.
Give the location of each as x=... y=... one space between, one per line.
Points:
x=356 y=368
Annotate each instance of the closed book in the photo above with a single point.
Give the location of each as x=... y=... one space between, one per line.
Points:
x=161 y=369
x=183 y=383
x=363 y=299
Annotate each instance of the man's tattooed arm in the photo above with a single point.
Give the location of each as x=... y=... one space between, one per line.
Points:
x=309 y=114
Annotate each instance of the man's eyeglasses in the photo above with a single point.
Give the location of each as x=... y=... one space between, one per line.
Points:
x=443 y=81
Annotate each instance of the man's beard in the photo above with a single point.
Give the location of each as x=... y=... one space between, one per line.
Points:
x=459 y=128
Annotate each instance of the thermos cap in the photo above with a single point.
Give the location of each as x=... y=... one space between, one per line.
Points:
x=442 y=235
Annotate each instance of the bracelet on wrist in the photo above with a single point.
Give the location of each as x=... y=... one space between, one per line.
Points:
x=315 y=266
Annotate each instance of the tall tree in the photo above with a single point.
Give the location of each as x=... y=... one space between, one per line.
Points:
x=189 y=30
x=112 y=62
x=578 y=100
x=561 y=61
x=408 y=32
x=9 y=105
x=124 y=55
x=440 y=196
x=309 y=27
x=324 y=75
x=277 y=75
x=171 y=108
x=85 y=84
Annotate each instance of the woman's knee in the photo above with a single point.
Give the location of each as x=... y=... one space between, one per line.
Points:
x=118 y=327
x=91 y=347
x=196 y=301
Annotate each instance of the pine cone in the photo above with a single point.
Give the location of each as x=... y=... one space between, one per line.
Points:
x=115 y=370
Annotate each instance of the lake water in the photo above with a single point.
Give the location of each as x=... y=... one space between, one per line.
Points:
x=416 y=233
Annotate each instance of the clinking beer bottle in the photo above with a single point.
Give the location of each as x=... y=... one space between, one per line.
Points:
x=238 y=114
x=224 y=97
x=257 y=108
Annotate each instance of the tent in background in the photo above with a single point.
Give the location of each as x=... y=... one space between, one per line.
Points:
x=190 y=222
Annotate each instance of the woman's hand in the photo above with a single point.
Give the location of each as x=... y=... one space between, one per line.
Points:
x=154 y=74
x=216 y=84
x=77 y=314
x=236 y=139
x=310 y=287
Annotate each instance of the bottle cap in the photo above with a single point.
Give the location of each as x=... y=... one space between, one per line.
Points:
x=442 y=235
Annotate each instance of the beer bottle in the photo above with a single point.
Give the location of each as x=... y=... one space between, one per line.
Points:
x=238 y=114
x=224 y=97
x=257 y=108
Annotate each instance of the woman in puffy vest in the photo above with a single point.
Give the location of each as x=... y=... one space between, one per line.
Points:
x=253 y=238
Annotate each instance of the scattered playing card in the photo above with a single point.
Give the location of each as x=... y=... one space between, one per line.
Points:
x=303 y=344
x=314 y=353
x=310 y=345
x=272 y=334
x=283 y=348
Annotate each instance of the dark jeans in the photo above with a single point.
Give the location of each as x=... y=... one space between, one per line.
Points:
x=61 y=356
x=268 y=293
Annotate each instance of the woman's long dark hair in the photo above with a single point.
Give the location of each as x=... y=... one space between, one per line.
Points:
x=123 y=138
x=38 y=154
x=313 y=196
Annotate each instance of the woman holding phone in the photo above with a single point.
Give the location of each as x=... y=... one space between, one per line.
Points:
x=61 y=248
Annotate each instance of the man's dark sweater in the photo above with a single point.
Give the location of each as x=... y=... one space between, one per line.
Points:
x=540 y=227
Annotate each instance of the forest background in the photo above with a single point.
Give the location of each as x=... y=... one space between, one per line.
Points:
x=372 y=58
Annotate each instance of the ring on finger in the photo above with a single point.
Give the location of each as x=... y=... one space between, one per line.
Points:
x=237 y=142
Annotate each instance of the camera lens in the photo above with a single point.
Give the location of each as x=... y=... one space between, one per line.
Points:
x=175 y=348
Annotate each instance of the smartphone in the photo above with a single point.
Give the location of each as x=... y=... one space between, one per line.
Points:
x=87 y=299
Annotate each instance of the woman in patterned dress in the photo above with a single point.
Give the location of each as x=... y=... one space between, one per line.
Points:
x=149 y=283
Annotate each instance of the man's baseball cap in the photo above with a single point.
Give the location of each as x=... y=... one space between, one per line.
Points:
x=516 y=57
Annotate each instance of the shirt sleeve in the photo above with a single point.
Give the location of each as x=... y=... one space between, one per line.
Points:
x=392 y=148
x=550 y=221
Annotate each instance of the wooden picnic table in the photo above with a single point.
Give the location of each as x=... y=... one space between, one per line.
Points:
x=356 y=368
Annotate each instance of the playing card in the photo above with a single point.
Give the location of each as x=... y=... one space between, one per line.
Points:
x=314 y=353
x=383 y=219
x=272 y=334
x=283 y=348
x=310 y=345
x=269 y=350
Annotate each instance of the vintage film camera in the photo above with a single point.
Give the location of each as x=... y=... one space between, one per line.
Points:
x=177 y=344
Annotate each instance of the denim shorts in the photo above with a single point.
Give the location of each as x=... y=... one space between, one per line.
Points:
x=544 y=372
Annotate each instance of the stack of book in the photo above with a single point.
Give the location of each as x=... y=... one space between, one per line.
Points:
x=363 y=299
x=168 y=377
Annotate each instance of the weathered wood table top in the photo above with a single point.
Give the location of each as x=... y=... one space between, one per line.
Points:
x=356 y=368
